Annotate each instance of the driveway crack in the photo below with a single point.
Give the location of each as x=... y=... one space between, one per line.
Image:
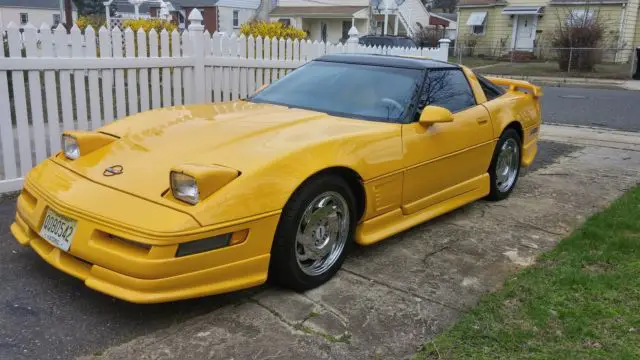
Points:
x=278 y=316
x=399 y=289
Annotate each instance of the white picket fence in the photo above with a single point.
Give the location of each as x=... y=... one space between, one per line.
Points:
x=51 y=81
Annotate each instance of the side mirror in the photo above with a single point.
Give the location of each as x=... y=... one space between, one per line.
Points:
x=434 y=115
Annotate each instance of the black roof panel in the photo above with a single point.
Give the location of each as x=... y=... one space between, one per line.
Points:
x=388 y=60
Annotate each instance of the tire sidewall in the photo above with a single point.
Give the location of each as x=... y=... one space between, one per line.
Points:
x=495 y=193
x=284 y=268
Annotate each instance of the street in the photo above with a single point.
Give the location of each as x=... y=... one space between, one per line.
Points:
x=614 y=109
x=47 y=314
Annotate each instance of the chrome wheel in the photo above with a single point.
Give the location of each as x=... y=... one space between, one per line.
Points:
x=322 y=233
x=507 y=165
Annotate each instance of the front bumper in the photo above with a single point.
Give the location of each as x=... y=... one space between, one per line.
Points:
x=143 y=268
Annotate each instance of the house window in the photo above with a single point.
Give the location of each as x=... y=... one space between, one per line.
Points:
x=477 y=21
x=286 y=22
x=56 y=19
x=24 y=18
x=579 y=18
x=478 y=29
x=236 y=18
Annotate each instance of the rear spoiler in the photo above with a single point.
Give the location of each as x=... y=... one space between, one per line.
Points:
x=515 y=85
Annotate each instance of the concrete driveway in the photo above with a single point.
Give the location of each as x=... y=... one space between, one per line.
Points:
x=385 y=303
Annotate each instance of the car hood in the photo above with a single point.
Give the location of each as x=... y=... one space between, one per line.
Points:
x=238 y=135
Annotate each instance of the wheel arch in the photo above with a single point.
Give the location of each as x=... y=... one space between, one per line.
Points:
x=517 y=126
x=353 y=180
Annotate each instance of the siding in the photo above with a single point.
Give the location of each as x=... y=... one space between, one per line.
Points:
x=497 y=34
x=631 y=24
x=226 y=18
x=608 y=15
x=497 y=37
x=36 y=16
x=239 y=4
x=529 y=3
x=334 y=28
x=637 y=37
x=285 y=3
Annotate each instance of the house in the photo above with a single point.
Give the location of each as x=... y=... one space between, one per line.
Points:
x=330 y=20
x=499 y=27
x=324 y=22
x=36 y=12
x=125 y=10
x=451 y=26
x=218 y=15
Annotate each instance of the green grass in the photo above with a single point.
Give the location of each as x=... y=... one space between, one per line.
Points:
x=550 y=68
x=580 y=301
x=472 y=61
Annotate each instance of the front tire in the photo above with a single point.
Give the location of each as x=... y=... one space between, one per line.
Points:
x=505 y=165
x=314 y=234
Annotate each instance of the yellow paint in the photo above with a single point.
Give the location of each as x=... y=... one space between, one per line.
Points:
x=249 y=158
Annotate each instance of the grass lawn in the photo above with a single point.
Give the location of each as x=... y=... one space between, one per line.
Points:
x=608 y=71
x=580 y=301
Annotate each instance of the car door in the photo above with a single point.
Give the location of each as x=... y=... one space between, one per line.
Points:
x=445 y=160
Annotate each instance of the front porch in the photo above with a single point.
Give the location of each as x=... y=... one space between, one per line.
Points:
x=324 y=23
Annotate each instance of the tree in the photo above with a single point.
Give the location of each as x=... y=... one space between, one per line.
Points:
x=446 y=5
x=578 y=35
x=93 y=7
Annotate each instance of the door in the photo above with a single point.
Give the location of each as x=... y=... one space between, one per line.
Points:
x=441 y=161
x=346 y=26
x=525 y=32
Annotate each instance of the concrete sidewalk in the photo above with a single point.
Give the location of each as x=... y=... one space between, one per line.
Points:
x=391 y=297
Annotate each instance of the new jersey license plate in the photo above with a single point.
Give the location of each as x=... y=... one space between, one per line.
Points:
x=58 y=230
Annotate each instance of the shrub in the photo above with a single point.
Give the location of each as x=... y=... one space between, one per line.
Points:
x=271 y=30
x=427 y=37
x=148 y=24
x=96 y=22
x=579 y=30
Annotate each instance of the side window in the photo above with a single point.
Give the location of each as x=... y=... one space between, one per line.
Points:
x=491 y=91
x=447 y=88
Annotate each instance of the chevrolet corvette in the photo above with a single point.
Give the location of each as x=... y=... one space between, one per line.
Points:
x=196 y=200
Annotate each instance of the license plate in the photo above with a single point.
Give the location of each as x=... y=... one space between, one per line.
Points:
x=58 y=230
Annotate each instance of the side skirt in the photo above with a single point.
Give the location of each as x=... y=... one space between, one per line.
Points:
x=393 y=222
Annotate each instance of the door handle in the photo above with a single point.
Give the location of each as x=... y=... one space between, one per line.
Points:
x=482 y=120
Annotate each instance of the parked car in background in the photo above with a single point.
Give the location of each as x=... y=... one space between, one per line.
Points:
x=392 y=41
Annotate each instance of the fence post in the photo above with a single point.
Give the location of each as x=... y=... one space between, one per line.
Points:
x=570 y=59
x=444 y=49
x=197 y=36
x=352 y=42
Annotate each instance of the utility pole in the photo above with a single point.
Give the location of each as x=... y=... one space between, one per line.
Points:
x=68 y=15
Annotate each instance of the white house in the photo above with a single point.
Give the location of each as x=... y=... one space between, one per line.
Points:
x=219 y=15
x=330 y=20
x=35 y=12
x=327 y=20
x=233 y=13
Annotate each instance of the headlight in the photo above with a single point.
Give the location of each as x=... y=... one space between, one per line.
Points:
x=70 y=147
x=193 y=182
x=185 y=188
x=81 y=143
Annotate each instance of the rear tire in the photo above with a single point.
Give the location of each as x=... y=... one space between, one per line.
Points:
x=505 y=165
x=314 y=234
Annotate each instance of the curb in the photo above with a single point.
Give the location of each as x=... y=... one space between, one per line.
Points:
x=567 y=81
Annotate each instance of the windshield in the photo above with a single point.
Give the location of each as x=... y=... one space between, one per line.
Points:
x=351 y=90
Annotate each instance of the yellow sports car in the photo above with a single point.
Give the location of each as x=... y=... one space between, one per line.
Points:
x=197 y=200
